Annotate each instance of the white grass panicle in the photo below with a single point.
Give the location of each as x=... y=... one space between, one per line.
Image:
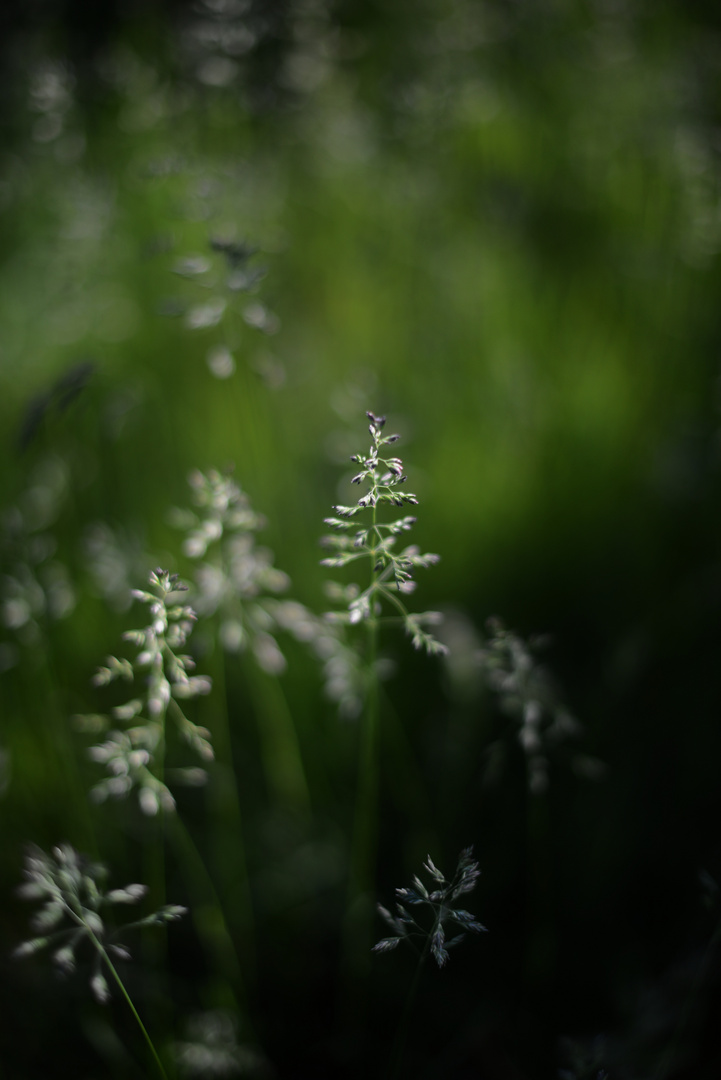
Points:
x=236 y=579
x=239 y=589
x=135 y=756
x=391 y=572
x=74 y=900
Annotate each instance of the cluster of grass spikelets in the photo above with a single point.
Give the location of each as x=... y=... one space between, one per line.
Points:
x=440 y=904
x=135 y=756
x=391 y=572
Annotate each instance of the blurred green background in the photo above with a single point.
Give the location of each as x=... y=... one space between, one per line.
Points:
x=499 y=223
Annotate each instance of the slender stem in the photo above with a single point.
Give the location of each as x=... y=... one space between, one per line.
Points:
x=396 y=602
x=98 y=945
x=207 y=913
x=75 y=911
x=226 y=833
x=64 y=745
x=399 y=1045
x=408 y=789
x=155 y=852
x=541 y=944
x=279 y=740
x=365 y=825
x=154 y=945
x=366 y=808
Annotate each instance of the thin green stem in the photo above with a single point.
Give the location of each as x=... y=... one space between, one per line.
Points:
x=366 y=807
x=208 y=914
x=111 y=967
x=282 y=757
x=365 y=824
x=396 y=602
x=154 y=944
x=64 y=747
x=227 y=827
x=75 y=912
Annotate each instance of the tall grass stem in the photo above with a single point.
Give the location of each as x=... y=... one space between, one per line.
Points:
x=121 y=985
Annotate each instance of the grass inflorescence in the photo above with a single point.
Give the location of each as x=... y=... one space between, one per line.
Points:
x=135 y=756
x=391 y=572
x=440 y=904
x=74 y=902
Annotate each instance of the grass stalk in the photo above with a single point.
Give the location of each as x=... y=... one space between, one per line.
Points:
x=357 y=928
x=282 y=758
x=209 y=917
x=409 y=789
x=391 y=576
x=540 y=949
x=401 y=1039
x=64 y=746
x=226 y=825
x=121 y=985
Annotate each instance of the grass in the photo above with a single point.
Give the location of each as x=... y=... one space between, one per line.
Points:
x=515 y=268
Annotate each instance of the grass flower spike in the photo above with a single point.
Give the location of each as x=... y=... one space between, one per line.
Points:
x=391 y=571
x=237 y=585
x=237 y=577
x=134 y=756
x=72 y=891
x=440 y=902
